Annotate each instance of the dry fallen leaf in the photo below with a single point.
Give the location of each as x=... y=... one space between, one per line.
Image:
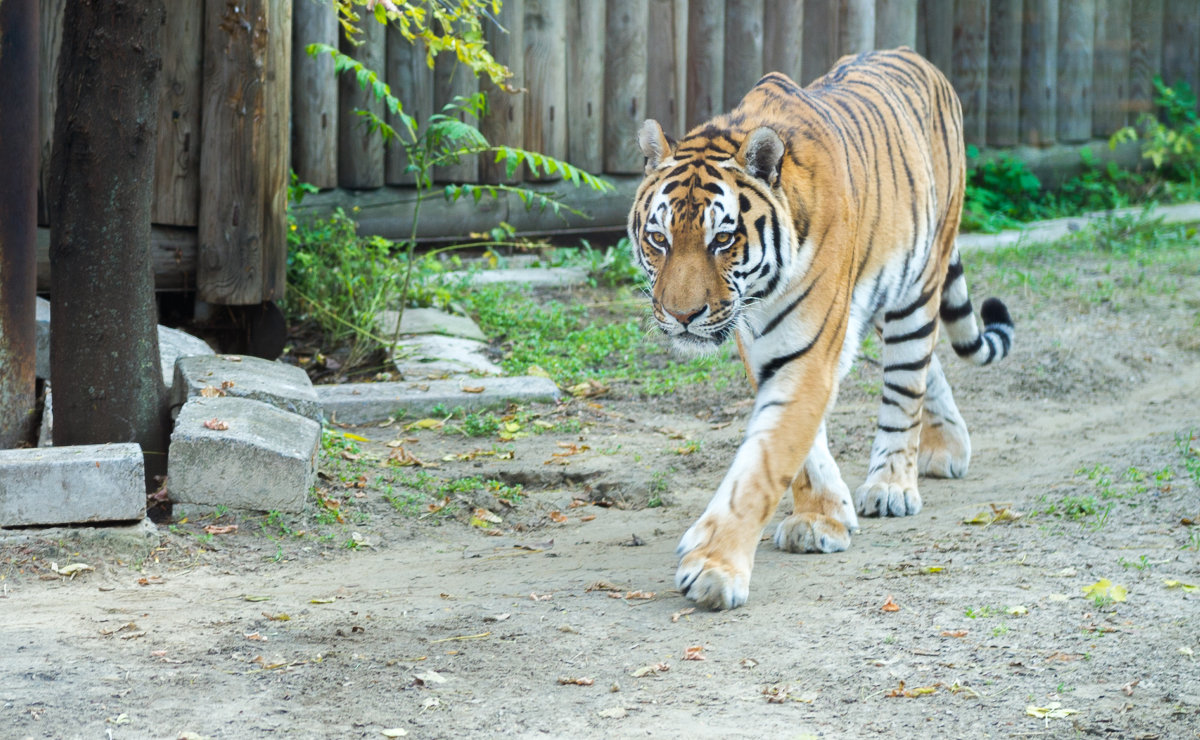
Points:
x=1186 y=587
x=70 y=570
x=149 y=580
x=900 y=691
x=209 y=392
x=649 y=670
x=1128 y=688
x=400 y=457
x=890 y=605
x=216 y=425
x=557 y=516
x=281 y=617
x=256 y=636
x=1105 y=588
x=541 y=597
x=682 y=613
x=473 y=389
x=590 y=517
x=954 y=633
x=695 y=652
x=573 y=681
x=1053 y=710
x=394 y=732
x=221 y=529
x=639 y=595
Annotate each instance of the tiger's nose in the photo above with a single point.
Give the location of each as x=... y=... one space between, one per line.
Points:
x=685 y=317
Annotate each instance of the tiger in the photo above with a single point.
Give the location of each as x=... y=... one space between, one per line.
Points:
x=796 y=223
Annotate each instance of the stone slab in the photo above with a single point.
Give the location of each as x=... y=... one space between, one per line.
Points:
x=46 y=431
x=1056 y=228
x=67 y=485
x=435 y=356
x=172 y=344
x=265 y=460
x=536 y=277
x=286 y=387
x=360 y=403
x=141 y=534
x=429 y=321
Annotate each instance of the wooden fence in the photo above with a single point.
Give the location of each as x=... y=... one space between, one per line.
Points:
x=1029 y=72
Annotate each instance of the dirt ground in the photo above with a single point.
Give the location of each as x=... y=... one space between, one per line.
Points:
x=418 y=622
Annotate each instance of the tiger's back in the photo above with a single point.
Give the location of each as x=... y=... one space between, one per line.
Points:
x=799 y=221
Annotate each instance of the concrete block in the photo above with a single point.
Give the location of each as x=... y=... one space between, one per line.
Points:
x=436 y=356
x=284 y=386
x=172 y=344
x=536 y=277
x=429 y=321
x=66 y=485
x=46 y=432
x=264 y=460
x=360 y=403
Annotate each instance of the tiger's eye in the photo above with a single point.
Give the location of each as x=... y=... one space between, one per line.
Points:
x=723 y=238
x=658 y=238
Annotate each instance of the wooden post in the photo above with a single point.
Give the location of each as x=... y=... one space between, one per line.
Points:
x=1076 y=31
x=1039 y=73
x=453 y=80
x=895 y=23
x=1004 y=73
x=820 y=39
x=50 y=30
x=783 y=42
x=408 y=75
x=1145 y=54
x=743 y=48
x=177 y=158
x=546 y=78
x=314 y=94
x=1110 y=71
x=856 y=26
x=1181 y=43
x=705 y=60
x=243 y=159
x=624 y=85
x=586 y=25
x=662 y=67
x=505 y=119
x=935 y=34
x=969 y=70
x=360 y=153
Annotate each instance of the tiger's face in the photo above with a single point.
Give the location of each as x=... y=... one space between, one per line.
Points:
x=707 y=230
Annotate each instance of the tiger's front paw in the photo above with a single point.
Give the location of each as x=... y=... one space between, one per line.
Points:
x=811 y=532
x=709 y=576
x=887 y=499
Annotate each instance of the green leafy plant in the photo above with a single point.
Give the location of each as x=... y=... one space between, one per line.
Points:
x=1170 y=143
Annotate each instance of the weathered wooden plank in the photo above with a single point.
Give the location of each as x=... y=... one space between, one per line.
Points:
x=969 y=68
x=624 y=85
x=783 y=45
x=1004 y=73
x=681 y=66
x=277 y=100
x=1039 y=73
x=856 y=26
x=1076 y=34
x=585 y=88
x=743 y=48
x=505 y=119
x=1145 y=54
x=1110 y=71
x=820 y=42
x=1181 y=43
x=935 y=33
x=172 y=253
x=705 y=60
x=360 y=152
x=237 y=149
x=177 y=154
x=453 y=80
x=546 y=78
x=662 y=66
x=895 y=23
x=50 y=30
x=314 y=93
x=410 y=79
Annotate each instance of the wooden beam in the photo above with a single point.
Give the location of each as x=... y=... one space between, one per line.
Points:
x=1181 y=43
x=662 y=66
x=1145 y=54
x=1110 y=71
x=505 y=119
x=625 y=85
x=705 y=60
x=820 y=39
x=314 y=94
x=173 y=253
x=1039 y=73
x=935 y=33
x=743 y=48
x=411 y=81
x=277 y=100
x=895 y=23
x=50 y=30
x=546 y=79
x=177 y=157
x=856 y=26
x=1076 y=35
x=360 y=152
x=969 y=69
x=783 y=42
x=585 y=85
x=1004 y=73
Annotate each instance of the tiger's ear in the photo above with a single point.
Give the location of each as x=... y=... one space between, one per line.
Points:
x=762 y=153
x=655 y=145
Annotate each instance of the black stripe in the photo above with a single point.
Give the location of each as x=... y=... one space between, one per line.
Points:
x=924 y=331
x=908 y=310
x=1003 y=339
x=966 y=350
x=902 y=366
x=897 y=430
x=782 y=314
x=768 y=370
x=902 y=390
x=954 y=271
x=950 y=314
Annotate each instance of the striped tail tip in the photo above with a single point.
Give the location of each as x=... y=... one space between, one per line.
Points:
x=995 y=341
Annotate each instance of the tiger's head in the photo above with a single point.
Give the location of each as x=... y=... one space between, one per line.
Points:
x=710 y=228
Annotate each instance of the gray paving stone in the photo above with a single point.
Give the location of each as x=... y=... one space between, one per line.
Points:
x=264 y=461
x=172 y=344
x=436 y=356
x=360 y=403
x=284 y=386
x=537 y=277
x=66 y=485
x=429 y=321
x=46 y=431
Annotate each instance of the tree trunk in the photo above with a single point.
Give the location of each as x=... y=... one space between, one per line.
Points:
x=104 y=361
x=18 y=217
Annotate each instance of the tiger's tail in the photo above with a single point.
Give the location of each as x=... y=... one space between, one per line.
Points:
x=980 y=347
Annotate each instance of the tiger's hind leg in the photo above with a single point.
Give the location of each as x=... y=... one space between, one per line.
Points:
x=909 y=334
x=822 y=516
x=945 y=443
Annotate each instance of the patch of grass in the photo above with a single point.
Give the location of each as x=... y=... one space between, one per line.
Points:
x=1142 y=563
x=983 y=612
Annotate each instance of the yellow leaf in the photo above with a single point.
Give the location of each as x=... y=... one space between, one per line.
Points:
x=511 y=427
x=1105 y=588
x=393 y=731
x=536 y=371
x=1186 y=587
x=355 y=437
x=321 y=601
x=424 y=424
x=1017 y=610
x=1053 y=710
x=250 y=597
